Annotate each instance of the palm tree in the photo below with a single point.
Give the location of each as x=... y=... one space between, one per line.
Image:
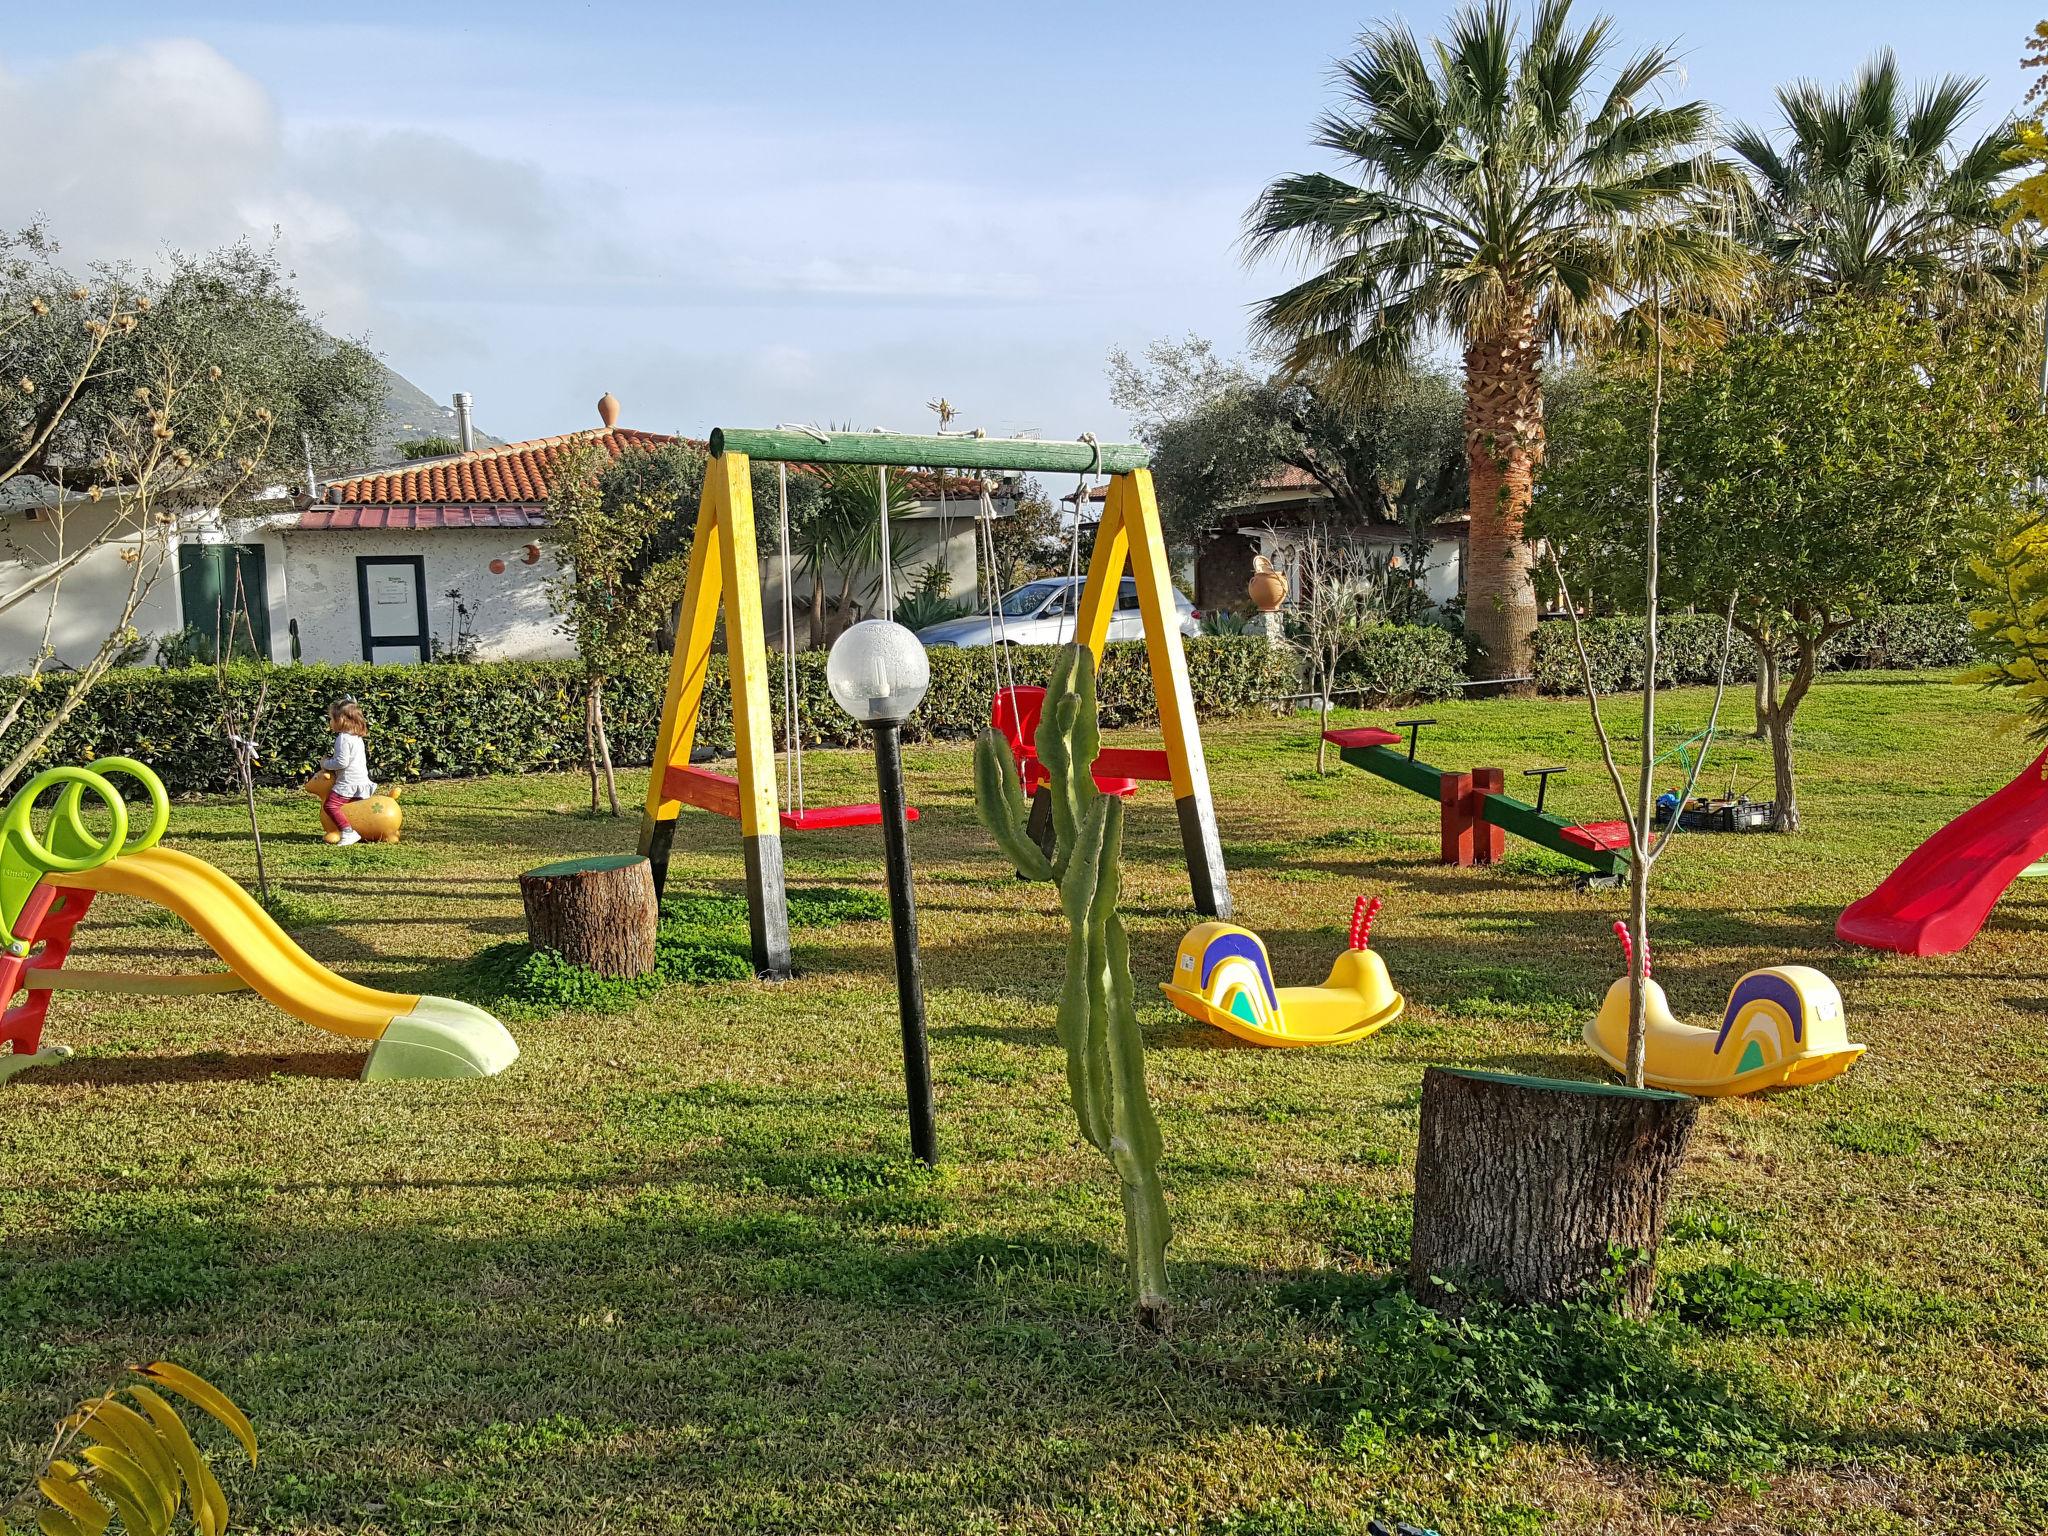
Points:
x=1860 y=187
x=1509 y=195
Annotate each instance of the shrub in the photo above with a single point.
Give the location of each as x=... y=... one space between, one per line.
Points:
x=1403 y=661
x=1904 y=635
x=443 y=721
x=1578 y=1372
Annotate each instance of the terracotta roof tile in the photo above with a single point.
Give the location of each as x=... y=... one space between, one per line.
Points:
x=516 y=472
x=502 y=487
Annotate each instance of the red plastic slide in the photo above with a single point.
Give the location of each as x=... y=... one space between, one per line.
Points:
x=1934 y=903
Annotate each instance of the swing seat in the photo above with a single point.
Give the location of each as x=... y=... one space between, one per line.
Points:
x=719 y=793
x=1118 y=770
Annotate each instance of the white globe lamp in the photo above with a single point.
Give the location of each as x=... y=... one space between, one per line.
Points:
x=878 y=671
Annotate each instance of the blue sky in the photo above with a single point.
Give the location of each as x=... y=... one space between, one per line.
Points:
x=743 y=214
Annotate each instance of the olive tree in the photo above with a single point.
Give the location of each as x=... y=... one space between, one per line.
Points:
x=619 y=570
x=132 y=401
x=1385 y=450
x=1807 y=474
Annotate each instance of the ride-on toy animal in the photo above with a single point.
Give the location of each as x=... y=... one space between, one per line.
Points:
x=1783 y=1026
x=1222 y=977
x=377 y=819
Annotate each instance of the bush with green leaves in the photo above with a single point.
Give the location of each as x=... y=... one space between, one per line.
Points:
x=1397 y=662
x=446 y=721
x=1908 y=636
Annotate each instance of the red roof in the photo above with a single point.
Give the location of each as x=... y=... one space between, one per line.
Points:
x=518 y=473
x=504 y=487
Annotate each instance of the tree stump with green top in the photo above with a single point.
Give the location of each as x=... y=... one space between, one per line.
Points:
x=1527 y=1187
x=597 y=913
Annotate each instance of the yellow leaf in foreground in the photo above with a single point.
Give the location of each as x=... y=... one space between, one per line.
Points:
x=196 y=1389
x=209 y=1504
x=64 y=1486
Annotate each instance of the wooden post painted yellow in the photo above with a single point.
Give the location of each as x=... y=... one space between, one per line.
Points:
x=1163 y=652
x=746 y=647
x=696 y=624
x=1129 y=532
x=1105 y=571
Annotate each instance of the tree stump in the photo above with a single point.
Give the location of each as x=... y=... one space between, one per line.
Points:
x=1524 y=1184
x=598 y=913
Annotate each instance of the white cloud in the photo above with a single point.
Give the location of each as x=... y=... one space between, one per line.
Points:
x=710 y=262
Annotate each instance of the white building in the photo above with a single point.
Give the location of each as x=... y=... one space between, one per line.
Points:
x=392 y=565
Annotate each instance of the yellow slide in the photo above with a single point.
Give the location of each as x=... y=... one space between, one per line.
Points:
x=412 y=1036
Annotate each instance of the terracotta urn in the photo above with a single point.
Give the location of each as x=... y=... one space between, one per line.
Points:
x=1268 y=588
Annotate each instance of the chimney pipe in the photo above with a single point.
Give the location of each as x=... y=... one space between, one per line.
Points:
x=464 y=432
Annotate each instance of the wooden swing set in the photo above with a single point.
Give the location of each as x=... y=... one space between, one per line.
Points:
x=725 y=578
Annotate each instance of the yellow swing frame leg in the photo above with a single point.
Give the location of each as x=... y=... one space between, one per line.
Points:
x=1129 y=531
x=723 y=563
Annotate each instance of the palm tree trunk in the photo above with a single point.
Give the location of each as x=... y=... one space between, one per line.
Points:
x=1503 y=445
x=817 y=606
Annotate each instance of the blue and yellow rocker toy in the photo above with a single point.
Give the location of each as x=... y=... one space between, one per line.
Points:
x=1222 y=977
x=1783 y=1027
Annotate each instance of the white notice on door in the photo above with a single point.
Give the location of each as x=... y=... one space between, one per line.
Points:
x=393 y=589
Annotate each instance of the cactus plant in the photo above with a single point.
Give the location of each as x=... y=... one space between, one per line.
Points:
x=1097 y=1019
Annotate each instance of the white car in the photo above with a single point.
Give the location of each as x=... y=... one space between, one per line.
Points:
x=1042 y=613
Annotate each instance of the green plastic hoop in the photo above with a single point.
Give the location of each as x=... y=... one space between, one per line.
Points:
x=17 y=827
x=74 y=831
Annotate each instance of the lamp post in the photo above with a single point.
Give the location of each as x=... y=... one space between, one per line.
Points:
x=878 y=673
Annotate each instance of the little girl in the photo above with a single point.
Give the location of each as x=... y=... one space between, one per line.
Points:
x=351 y=765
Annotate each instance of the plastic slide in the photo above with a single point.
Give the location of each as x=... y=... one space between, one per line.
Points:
x=412 y=1036
x=48 y=884
x=1935 y=902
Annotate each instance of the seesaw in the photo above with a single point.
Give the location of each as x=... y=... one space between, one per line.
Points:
x=1222 y=976
x=48 y=883
x=1783 y=1027
x=1475 y=810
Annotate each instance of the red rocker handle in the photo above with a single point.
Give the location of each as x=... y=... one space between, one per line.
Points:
x=1361 y=922
x=1628 y=953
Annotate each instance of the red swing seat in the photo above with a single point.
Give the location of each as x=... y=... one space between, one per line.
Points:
x=1118 y=770
x=719 y=793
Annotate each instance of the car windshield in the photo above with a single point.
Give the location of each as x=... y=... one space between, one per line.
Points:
x=1028 y=599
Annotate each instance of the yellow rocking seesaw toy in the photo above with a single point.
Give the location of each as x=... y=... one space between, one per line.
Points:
x=1783 y=1027
x=1222 y=977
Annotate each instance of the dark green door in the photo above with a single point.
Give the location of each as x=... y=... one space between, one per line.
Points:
x=224 y=598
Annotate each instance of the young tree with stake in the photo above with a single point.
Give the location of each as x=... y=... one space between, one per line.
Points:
x=1645 y=845
x=612 y=595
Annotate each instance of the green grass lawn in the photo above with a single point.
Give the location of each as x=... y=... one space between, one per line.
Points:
x=672 y=1273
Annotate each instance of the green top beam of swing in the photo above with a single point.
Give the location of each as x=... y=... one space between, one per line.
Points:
x=783 y=446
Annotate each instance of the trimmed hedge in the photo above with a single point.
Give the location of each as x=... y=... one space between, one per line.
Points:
x=457 y=721
x=1902 y=635
x=1405 y=661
